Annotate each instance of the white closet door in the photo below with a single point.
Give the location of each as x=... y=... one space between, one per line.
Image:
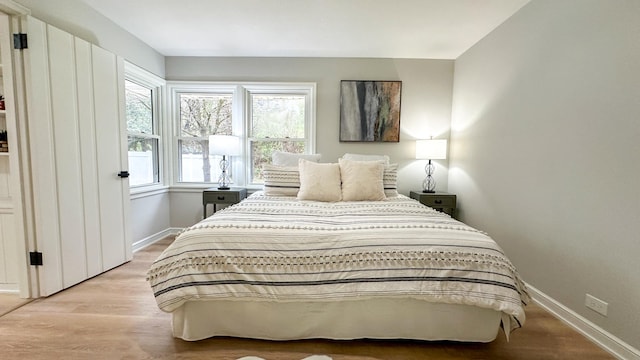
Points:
x=43 y=170
x=66 y=139
x=108 y=79
x=75 y=114
x=89 y=160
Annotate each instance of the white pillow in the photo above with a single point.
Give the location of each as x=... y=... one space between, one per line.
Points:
x=291 y=159
x=363 y=157
x=362 y=180
x=280 y=180
x=390 y=180
x=319 y=181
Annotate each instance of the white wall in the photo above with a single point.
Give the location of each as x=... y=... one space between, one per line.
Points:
x=150 y=215
x=81 y=20
x=545 y=151
x=425 y=104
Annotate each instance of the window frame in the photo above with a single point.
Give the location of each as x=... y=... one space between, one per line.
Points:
x=240 y=122
x=157 y=86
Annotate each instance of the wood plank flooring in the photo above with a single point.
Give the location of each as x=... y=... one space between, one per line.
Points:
x=114 y=316
x=10 y=302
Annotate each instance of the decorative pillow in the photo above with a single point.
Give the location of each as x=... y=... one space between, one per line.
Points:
x=291 y=159
x=319 y=181
x=362 y=180
x=390 y=180
x=363 y=157
x=281 y=180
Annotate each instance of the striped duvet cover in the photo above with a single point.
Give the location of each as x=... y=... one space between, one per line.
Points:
x=281 y=249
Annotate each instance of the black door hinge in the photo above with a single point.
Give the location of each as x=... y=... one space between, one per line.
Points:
x=20 y=41
x=35 y=258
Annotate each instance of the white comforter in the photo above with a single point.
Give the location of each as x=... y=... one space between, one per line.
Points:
x=281 y=249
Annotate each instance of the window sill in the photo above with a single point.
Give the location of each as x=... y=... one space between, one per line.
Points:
x=201 y=186
x=191 y=188
x=137 y=193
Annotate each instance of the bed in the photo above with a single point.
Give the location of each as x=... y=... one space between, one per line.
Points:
x=282 y=268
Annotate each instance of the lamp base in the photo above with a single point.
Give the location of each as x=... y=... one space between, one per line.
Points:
x=429 y=183
x=224 y=180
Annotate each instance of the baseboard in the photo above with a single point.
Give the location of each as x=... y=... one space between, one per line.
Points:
x=9 y=289
x=141 y=244
x=593 y=332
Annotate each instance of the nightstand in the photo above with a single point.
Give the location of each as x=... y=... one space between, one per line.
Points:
x=215 y=196
x=440 y=201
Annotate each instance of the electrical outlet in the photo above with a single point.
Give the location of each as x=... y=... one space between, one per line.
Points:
x=596 y=304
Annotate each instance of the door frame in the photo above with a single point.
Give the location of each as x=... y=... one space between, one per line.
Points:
x=12 y=22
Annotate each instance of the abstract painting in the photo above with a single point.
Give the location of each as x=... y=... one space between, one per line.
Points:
x=370 y=111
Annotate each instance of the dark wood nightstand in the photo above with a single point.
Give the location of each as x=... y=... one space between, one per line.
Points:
x=215 y=196
x=440 y=201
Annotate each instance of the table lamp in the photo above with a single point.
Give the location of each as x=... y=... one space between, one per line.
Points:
x=225 y=145
x=433 y=150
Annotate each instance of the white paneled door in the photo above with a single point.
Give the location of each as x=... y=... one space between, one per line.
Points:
x=108 y=77
x=75 y=93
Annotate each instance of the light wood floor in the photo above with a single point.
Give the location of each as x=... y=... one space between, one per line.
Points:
x=10 y=302
x=114 y=316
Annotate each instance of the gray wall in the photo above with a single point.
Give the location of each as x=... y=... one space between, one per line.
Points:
x=79 y=19
x=149 y=215
x=545 y=151
x=425 y=106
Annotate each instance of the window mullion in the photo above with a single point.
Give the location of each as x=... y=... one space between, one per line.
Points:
x=143 y=135
x=276 y=139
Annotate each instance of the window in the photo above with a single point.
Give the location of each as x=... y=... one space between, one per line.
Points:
x=142 y=108
x=142 y=136
x=201 y=115
x=267 y=117
x=277 y=123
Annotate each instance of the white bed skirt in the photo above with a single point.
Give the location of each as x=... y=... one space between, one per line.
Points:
x=374 y=319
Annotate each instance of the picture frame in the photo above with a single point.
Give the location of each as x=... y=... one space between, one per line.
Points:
x=370 y=111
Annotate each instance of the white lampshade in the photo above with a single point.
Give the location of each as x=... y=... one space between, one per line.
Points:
x=431 y=149
x=224 y=145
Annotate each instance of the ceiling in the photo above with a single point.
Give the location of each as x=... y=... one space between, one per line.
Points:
x=420 y=29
